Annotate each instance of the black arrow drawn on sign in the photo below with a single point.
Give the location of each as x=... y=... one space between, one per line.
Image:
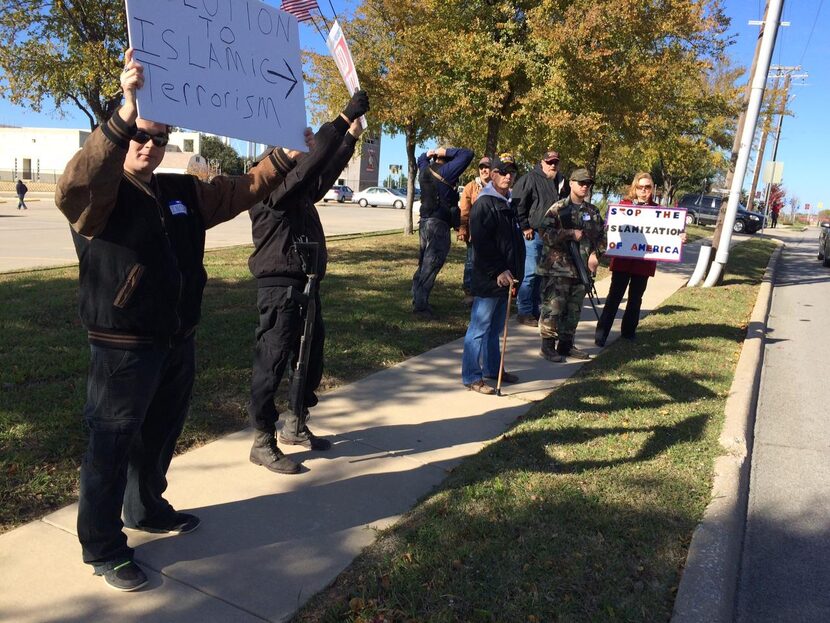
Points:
x=292 y=79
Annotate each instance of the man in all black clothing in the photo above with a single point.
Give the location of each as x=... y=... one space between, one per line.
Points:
x=286 y=217
x=439 y=172
x=534 y=193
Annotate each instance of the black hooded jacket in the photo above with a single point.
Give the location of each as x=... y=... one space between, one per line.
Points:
x=289 y=212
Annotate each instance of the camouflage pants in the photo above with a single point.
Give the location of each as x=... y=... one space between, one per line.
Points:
x=561 y=307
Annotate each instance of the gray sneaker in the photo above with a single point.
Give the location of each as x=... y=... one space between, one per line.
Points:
x=126 y=576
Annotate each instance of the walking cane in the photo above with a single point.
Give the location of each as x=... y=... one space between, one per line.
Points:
x=504 y=338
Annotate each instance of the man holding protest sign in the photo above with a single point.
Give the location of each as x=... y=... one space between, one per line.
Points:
x=572 y=218
x=140 y=239
x=285 y=226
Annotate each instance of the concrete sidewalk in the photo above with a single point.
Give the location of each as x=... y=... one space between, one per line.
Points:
x=269 y=542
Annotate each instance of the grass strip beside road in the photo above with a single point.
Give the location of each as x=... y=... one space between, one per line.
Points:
x=584 y=510
x=44 y=359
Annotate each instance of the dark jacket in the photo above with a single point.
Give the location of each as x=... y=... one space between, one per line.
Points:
x=21 y=189
x=498 y=243
x=289 y=213
x=437 y=197
x=534 y=194
x=140 y=246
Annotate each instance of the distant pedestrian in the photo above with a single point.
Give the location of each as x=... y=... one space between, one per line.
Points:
x=21 y=189
x=498 y=261
x=533 y=194
x=630 y=273
x=774 y=210
x=439 y=170
x=468 y=198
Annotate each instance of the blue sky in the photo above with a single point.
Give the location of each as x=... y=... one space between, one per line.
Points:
x=805 y=137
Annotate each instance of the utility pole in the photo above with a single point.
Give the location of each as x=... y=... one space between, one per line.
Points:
x=781 y=113
x=759 y=158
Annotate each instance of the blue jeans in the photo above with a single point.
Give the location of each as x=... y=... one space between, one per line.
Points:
x=135 y=410
x=481 y=343
x=435 y=246
x=530 y=293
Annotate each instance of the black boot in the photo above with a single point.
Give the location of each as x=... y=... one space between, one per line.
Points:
x=549 y=350
x=265 y=452
x=303 y=437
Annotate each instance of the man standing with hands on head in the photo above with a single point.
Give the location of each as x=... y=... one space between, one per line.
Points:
x=439 y=170
x=140 y=240
x=498 y=261
x=572 y=218
x=286 y=217
x=534 y=193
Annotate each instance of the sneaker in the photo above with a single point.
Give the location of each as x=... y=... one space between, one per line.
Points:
x=506 y=377
x=577 y=353
x=266 y=453
x=527 y=320
x=481 y=387
x=306 y=439
x=181 y=523
x=125 y=577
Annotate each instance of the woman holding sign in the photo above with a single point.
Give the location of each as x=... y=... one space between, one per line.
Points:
x=630 y=273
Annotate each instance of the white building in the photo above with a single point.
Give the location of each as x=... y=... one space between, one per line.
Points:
x=41 y=154
x=37 y=153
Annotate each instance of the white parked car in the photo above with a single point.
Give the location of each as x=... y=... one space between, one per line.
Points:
x=384 y=197
x=339 y=194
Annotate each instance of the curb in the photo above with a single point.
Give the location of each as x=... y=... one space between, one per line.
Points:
x=709 y=581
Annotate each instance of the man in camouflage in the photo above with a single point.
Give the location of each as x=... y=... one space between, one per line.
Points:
x=572 y=218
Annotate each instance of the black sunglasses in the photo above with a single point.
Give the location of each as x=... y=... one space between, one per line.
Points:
x=159 y=140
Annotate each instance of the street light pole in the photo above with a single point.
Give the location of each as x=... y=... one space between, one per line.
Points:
x=773 y=19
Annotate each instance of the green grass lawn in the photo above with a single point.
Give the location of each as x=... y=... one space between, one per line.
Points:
x=584 y=510
x=43 y=362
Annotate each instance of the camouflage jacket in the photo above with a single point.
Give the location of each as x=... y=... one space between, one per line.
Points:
x=558 y=226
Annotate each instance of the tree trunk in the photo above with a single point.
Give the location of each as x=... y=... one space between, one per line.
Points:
x=594 y=162
x=410 y=183
x=494 y=122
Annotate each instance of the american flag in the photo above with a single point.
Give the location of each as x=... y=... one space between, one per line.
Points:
x=300 y=8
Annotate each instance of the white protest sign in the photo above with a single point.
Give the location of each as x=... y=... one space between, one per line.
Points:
x=229 y=67
x=339 y=49
x=645 y=232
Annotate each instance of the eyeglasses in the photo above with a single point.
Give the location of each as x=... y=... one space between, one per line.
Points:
x=645 y=187
x=159 y=140
x=584 y=183
x=483 y=166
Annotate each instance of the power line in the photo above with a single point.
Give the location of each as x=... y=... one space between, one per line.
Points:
x=812 y=30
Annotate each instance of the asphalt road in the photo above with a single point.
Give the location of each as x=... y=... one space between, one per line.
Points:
x=39 y=237
x=785 y=571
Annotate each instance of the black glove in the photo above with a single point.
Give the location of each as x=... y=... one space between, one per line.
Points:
x=357 y=106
